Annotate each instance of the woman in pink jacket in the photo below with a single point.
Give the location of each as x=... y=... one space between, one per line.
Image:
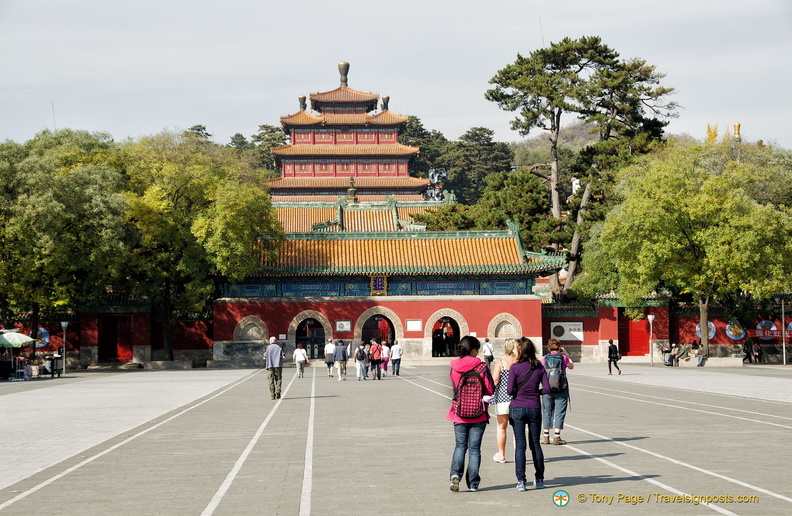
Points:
x=468 y=432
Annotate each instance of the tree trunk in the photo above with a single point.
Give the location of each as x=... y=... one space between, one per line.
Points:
x=166 y=314
x=574 y=246
x=5 y=313
x=704 y=322
x=34 y=323
x=555 y=198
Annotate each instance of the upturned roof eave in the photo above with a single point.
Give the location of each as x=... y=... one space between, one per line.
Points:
x=424 y=270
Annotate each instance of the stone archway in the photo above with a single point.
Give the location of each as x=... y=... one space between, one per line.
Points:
x=464 y=329
x=398 y=329
x=251 y=328
x=504 y=326
x=308 y=314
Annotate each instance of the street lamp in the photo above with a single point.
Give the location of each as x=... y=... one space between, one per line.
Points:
x=783 y=331
x=782 y=298
x=64 y=324
x=651 y=318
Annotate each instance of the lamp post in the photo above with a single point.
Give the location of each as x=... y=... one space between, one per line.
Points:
x=782 y=298
x=651 y=318
x=783 y=330
x=64 y=324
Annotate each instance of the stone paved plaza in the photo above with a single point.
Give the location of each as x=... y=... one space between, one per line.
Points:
x=209 y=441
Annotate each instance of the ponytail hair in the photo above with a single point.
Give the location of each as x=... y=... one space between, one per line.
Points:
x=467 y=345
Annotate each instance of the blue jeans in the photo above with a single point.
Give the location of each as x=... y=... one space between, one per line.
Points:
x=519 y=417
x=554 y=407
x=468 y=438
x=396 y=364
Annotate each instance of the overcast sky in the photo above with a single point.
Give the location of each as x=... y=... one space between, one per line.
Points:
x=136 y=68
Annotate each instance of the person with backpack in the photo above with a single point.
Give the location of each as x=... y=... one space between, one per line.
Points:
x=360 y=362
x=473 y=387
x=555 y=402
x=526 y=378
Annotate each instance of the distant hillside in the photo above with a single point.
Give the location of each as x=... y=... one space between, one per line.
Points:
x=574 y=137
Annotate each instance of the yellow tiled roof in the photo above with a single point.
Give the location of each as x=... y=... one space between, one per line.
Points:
x=334 y=197
x=369 y=220
x=394 y=149
x=300 y=220
x=303 y=118
x=385 y=254
x=343 y=182
x=344 y=94
x=382 y=118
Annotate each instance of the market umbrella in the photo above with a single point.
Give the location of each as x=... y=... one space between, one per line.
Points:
x=14 y=340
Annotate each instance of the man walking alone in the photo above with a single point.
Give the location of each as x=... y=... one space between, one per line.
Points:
x=274 y=356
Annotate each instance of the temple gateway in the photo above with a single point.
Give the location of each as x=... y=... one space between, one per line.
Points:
x=355 y=265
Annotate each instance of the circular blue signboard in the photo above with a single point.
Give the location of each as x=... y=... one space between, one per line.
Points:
x=766 y=325
x=710 y=327
x=735 y=331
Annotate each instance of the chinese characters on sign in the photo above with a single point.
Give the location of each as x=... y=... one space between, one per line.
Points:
x=379 y=285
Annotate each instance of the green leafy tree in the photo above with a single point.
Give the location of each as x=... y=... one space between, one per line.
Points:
x=432 y=144
x=196 y=215
x=240 y=143
x=520 y=197
x=690 y=222
x=200 y=131
x=63 y=231
x=448 y=217
x=537 y=161
x=471 y=159
x=586 y=79
x=11 y=156
x=267 y=138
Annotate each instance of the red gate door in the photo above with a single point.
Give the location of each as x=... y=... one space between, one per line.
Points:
x=633 y=336
x=115 y=338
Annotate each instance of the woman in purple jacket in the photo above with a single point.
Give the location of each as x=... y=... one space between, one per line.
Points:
x=526 y=377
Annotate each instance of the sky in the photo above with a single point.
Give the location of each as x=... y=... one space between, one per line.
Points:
x=136 y=68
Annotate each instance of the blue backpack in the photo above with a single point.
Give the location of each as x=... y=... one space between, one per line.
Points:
x=554 y=365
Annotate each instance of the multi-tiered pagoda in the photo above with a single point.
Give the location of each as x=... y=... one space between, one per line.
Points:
x=355 y=265
x=343 y=144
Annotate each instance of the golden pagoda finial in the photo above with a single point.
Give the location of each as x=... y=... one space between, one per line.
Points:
x=737 y=137
x=343 y=69
x=385 y=101
x=303 y=105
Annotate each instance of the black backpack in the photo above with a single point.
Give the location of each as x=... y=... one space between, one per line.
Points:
x=360 y=354
x=554 y=365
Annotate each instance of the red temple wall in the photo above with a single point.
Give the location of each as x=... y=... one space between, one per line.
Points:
x=476 y=313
